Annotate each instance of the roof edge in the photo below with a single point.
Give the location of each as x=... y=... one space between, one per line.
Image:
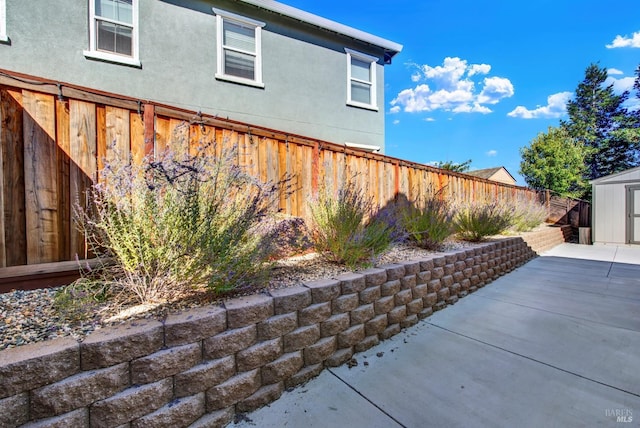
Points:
x=391 y=47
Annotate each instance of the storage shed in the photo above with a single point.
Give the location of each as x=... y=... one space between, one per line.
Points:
x=616 y=208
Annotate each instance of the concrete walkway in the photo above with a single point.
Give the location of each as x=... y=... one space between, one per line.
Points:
x=555 y=343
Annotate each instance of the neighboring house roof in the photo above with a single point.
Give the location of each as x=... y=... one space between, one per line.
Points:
x=391 y=48
x=632 y=174
x=499 y=173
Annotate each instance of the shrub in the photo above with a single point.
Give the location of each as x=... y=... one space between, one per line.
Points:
x=478 y=220
x=182 y=221
x=340 y=231
x=528 y=214
x=428 y=224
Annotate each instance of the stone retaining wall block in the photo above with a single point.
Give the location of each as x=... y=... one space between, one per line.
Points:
x=374 y=276
x=301 y=338
x=339 y=357
x=37 y=364
x=194 y=325
x=247 y=310
x=130 y=404
x=390 y=331
x=290 y=299
x=323 y=290
x=277 y=326
x=233 y=390
x=376 y=325
x=335 y=324
x=370 y=295
x=352 y=283
x=351 y=336
x=314 y=314
x=114 y=345
x=165 y=363
x=258 y=355
x=78 y=391
x=282 y=368
x=14 y=410
x=367 y=343
x=217 y=419
x=397 y=315
x=229 y=342
x=76 y=419
x=180 y=412
x=345 y=303
x=304 y=375
x=390 y=288
x=261 y=397
x=204 y=376
x=362 y=314
x=320 y=351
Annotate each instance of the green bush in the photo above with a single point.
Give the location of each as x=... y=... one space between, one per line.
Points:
x=478 y=220
x=428 y=224
x=528 y=215
x=340 y=230
x=182 y=221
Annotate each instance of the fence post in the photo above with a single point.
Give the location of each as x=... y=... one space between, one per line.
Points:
x=149 y=129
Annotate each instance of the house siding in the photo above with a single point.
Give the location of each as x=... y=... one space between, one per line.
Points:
x=304 y=69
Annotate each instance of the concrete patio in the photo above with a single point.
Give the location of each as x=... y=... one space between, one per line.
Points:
x=555 y=343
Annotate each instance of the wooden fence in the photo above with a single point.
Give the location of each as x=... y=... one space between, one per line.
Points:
x=54 y=138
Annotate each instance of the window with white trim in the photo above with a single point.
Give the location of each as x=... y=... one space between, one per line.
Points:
x=239 y=48
x=3 y=21
x=113 y=31
x=361 y=80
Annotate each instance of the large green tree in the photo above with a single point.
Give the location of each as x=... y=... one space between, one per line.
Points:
x=599 y=122
x=554 y=161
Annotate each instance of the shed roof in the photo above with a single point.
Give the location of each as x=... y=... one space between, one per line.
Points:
x=391 y=48
x=632 y=175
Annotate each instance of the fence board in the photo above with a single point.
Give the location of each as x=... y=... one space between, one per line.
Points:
x=136 y=134
x=40 y=178
x=12 y=146
x=82 y=119
x=65 y=219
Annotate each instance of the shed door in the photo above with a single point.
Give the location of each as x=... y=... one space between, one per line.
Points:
x=633 y=214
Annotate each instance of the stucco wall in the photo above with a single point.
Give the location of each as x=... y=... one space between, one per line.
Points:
x=199 y=367
x=304 y=71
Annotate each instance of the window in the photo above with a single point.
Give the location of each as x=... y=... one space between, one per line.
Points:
x=113 y=31
x=238 y=48
x=3 y=21
x=361 y=80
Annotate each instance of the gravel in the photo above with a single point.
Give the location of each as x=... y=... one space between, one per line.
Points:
x=30 y=316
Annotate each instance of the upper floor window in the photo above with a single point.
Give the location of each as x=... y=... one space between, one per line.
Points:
x=361 y=80
x=239 y=48
x=3 y=21
x=113 y=31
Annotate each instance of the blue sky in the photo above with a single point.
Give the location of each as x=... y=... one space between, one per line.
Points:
x=480 y=79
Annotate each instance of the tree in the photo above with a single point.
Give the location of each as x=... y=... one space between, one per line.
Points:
x=554 y=161
x=454 y=166
x=597 y=121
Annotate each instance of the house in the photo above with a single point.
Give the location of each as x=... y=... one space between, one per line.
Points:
x=255 y=61
x=499 y=174
x=616 y=208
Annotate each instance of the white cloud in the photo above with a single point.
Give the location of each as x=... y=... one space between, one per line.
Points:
x=620 y=85
x=613 y=71
x=495 y=89
x=479 y=69
x=450 y=88
x=556 y=107
x=429 y=119
x=492 y=153
x=395 y=122
x=395 y=109
x=625 y=42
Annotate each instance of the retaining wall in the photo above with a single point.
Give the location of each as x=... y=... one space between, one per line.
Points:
x=202 y=366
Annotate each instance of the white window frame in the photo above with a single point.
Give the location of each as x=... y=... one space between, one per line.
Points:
x=3 y=21
x=372 y=60
x=94 y=53
x=222 y=16
x=366 y=147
